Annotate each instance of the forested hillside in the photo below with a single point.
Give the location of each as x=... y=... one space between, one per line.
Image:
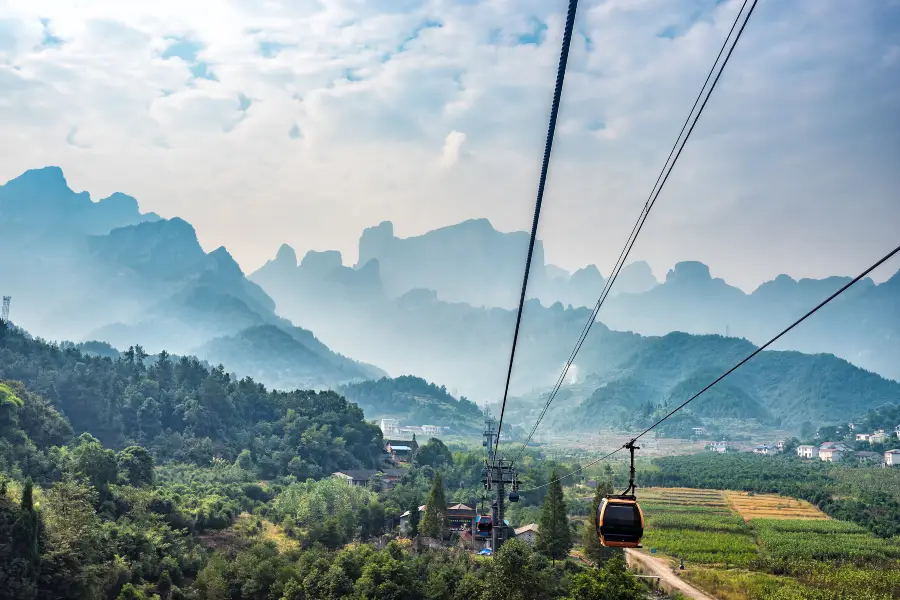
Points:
x=775 y=388
x=183 y=410
x=105 y=507
x=415 y=401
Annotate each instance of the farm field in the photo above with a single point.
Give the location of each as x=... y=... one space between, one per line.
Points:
x=772 y=506
x=741 y=547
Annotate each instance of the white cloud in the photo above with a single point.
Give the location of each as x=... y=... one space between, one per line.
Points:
x=350 y=99
x=452 y=147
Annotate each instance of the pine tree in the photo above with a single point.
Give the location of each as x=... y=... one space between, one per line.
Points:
x=414 y=518
x=590 y=538
x=554 y=537
x=26 y=535
x=435 y=510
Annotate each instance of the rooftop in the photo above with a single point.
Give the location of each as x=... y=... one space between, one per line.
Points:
x=526 y=528
x=357 y=474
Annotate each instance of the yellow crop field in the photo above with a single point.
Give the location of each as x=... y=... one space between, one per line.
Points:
x=772 y=506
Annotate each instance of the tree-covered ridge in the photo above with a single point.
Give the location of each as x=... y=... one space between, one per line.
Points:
x=284 y=358
x=185 y=411
x=414 y=400
x=775 y=388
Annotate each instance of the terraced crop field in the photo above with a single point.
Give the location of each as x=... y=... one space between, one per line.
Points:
x=723 y=535
x=772 y=506
x=824 y=541
x=696 y=525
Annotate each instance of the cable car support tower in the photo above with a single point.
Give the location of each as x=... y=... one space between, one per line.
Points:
x=497 y=474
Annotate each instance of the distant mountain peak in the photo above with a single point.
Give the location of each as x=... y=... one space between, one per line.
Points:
x=688 y=272
x=119 y=199
x=47 y=177
x=481 y=224
x=325 y=260
x=286 y=255
x=225 y=262
x=46 y=187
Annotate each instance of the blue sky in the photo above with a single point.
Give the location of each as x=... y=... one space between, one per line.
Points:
x=304 y=122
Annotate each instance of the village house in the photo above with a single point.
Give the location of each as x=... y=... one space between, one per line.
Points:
x=400 y=451
x=878 y=437
x=780 y=445
x=830 y=455
x=698 y=431
x=863 y=437
x=390 y=428
x=868 y=457
x=832 y=451
x=720 y=447
x=807 y=451
x=393 y=476
x=527 y=533
x=432 y=429
x=460 y=517
x=767 y=450
x=360 y=477
x=404 y=519
x=892 y=458
x=897 y=431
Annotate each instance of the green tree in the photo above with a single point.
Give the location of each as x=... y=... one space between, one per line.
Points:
x=135 y=465
x=612 y=580
x=434 y=454
x=245 y=460
x=435 y=510
x=91 y=460
x=164 y=585
x=554 y=537
x=25 y=556
x=517 y=573
x=590 y=537
x=413 y=526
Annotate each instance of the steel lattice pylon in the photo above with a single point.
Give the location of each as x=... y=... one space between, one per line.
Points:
x=4 y=315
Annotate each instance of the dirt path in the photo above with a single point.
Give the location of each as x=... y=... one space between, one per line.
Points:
x=668 y=579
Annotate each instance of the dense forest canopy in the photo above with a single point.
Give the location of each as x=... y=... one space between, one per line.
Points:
x=414 y=400
x=183 y=410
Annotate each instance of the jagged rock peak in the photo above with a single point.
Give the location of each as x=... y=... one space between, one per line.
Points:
x=688 y=271
x=286 y=255
x=225 y=261
x=327 y=259
x=121 y=201
x=51 y=176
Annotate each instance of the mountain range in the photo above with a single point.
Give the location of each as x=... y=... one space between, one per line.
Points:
x=85 y=270
x=862 y=326
x=440 y=307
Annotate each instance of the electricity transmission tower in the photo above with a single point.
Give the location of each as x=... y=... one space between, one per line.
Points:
x=4 y=314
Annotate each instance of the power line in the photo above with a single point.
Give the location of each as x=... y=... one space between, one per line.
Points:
x=648 y=205
x=551 y=129
x=784 y=331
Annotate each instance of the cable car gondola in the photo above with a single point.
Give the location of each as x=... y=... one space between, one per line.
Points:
x=484 y=524
x=619 y=519
x=620 y=522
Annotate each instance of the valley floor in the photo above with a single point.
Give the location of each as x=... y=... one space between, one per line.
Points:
x=741 y=546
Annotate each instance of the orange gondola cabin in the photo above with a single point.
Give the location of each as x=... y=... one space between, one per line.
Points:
x=620 y=522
